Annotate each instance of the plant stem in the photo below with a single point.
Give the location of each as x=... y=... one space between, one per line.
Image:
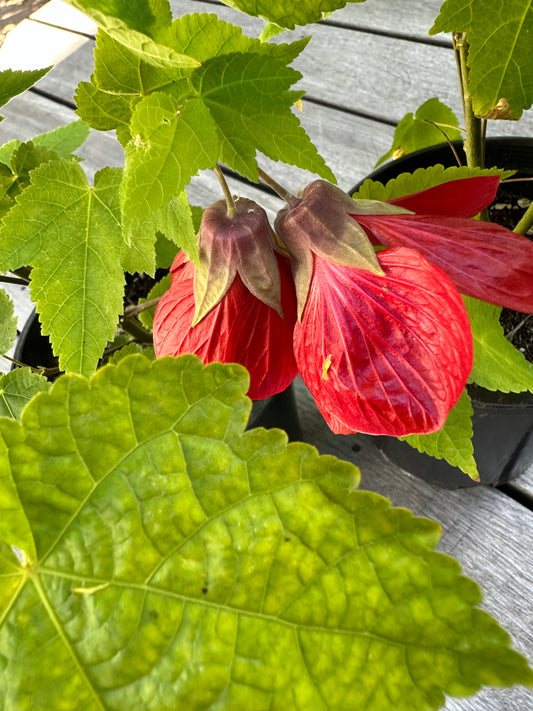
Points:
x=13 y=280
x=279 y=189
x=132 y=311
x=526 y=222
x=474 y=126
x=230 y=203
x=137 y=330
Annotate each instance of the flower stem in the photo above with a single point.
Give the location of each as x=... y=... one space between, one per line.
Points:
x=526 y=222
x=276 y=187
x=230 y=203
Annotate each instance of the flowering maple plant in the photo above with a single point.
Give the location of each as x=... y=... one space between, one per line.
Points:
x=161 y=554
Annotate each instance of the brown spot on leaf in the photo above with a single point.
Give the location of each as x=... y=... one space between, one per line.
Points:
x=502 y=111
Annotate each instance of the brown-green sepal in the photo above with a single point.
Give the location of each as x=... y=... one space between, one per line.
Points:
x=230 y=244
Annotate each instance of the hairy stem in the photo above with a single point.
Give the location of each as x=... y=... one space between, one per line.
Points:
x=230 y=203
x=279 y=189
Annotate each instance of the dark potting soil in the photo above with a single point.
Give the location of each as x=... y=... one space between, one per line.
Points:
x=507 y=210
x=138 y=286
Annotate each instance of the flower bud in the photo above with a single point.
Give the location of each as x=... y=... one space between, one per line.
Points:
x=318 y=222
x=239 y=306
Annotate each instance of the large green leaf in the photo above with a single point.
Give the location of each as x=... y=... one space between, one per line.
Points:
x=433 y=123
x=500 y=59
x=498 y=365
x=248 y=98
x=8 y=322
x=180 y=563
x=13 y=82
x=138 y=25
x=70 y=233
x=289 y=13
x=453 y=442
x=121 y=77
x=17 y=388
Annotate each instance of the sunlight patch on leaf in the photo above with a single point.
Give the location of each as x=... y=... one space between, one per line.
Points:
x=289 y=13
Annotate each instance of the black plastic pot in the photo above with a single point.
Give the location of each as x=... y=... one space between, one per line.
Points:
x=502 y=423
x=277 y=411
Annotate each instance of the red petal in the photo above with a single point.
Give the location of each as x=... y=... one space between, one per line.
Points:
x=240 y=329
x=483 y=260
x=384 y=354
x=457 y=198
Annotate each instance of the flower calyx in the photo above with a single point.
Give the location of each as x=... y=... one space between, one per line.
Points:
x=318 y=221
x=243 y=243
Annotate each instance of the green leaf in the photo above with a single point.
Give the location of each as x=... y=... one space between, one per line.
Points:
x=289 y=13
x=102 y=110
x=8 y=321
x=270 y=30
x=183 y=563
x=205 y=36
x=63 y=140
x=17 y=388
x=25 y=158
x=170 y=228
x=13 y=82
x=70 y=233
x=421 y=179
x=130 y=349
x=138 y=25
x=454 y=441
x=248 y=98
x=121 y=78
x=170 y=144
x=498 y=365
x=499 y=56
x=419 y=131
x=147 y=317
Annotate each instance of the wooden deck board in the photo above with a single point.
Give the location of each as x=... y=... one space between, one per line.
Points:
x=487 y=531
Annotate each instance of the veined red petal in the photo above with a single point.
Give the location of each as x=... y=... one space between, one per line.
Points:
x=483 y=260
x=240 y=329
x=384 y=354
x=457 y=198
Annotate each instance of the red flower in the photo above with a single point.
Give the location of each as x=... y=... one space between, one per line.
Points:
x=384 y=354
x=483 y=260
x=232 y=324
x=384 y=342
